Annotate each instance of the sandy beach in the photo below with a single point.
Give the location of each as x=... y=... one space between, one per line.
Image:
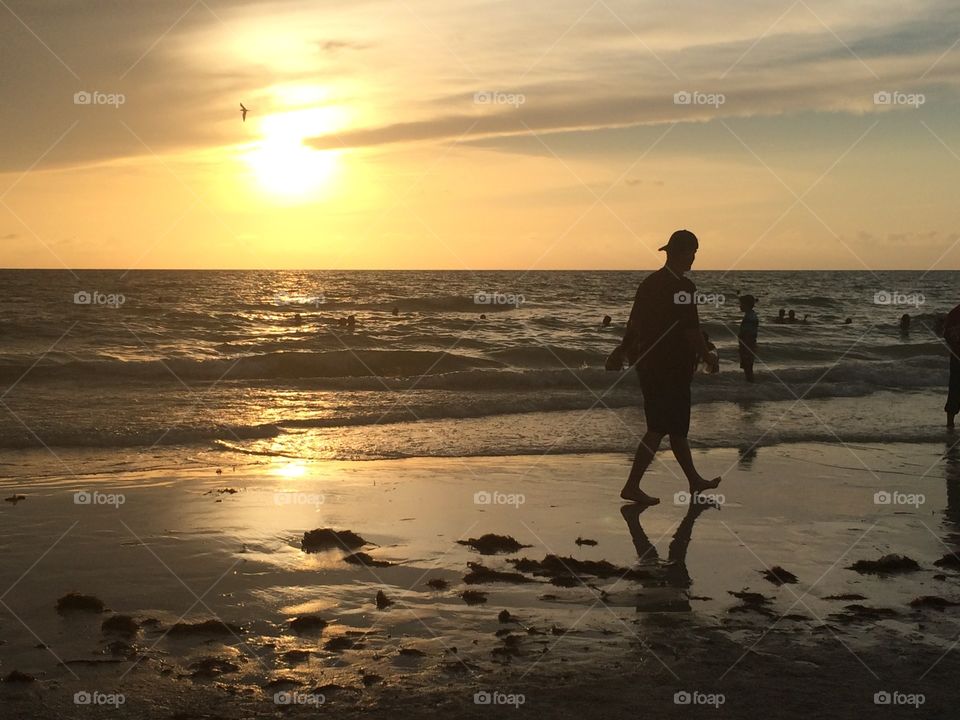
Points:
x=673 y=599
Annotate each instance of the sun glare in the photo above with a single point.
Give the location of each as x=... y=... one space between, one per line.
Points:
x=283 y=165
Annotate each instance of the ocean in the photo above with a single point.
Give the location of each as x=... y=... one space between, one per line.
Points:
x=149 y=368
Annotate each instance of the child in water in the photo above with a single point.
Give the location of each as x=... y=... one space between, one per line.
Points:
x=747 y=337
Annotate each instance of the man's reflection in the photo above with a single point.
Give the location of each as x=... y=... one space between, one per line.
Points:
x=672 y=577
x=951 y=472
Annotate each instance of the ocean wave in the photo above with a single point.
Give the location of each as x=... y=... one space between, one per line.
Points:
x=465 y=394
x=276 y=365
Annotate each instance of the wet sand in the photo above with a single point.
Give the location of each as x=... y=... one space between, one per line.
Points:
x=580 y=637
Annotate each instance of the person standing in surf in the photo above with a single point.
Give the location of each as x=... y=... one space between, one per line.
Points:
x=747 y=337
x=663 y=340
x=951 y=333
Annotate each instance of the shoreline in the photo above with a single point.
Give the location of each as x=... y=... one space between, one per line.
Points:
x=666 y=604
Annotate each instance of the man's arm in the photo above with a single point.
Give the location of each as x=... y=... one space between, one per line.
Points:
x=633 y=323
x=699 y=345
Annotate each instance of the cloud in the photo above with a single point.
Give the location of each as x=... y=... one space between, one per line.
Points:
x=334 y=46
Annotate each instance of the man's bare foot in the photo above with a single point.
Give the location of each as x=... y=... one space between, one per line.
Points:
x=702 y=484
x=638 y=496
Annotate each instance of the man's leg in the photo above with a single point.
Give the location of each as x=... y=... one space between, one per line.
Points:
x=953 y=394
x=641 y=461
x=681 y=451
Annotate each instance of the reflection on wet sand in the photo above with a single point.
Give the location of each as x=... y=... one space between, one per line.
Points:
x=669 y=582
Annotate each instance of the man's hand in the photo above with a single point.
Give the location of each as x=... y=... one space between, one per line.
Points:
x=713 y=362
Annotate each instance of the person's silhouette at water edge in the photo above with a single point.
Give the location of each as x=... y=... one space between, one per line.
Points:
x=663 y=340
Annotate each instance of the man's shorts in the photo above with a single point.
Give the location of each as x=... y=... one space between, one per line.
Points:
x=666 y=401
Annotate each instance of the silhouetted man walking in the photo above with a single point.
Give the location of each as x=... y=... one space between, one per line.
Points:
x=663 y=339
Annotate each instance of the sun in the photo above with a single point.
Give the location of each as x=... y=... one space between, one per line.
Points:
x=283 y=165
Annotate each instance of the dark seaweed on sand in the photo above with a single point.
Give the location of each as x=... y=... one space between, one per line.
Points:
x=330 y=539
x=362 y=558
x=309 y=623
x=15 y=676
x=210 y=667
x=473 y=597
x=887 y=564
x=778 y=576
x=79 y=603
x=383 y=601
x=932 y=601
x=481 y=574
x=950 y=560
x=553 y=566
x=862 y=612
x=491 y=544
x=120 y=624
x=846 y=596
x=585 y=541
x=438 y=583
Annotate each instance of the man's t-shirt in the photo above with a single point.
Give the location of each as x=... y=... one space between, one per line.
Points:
x=664 y=308
x=951 y=330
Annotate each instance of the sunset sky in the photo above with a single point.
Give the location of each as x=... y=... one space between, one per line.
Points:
x=473 y=135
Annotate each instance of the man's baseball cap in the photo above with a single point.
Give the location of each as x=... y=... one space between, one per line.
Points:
x=681 y=241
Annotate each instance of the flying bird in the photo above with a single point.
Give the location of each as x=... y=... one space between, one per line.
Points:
x=243 y=112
